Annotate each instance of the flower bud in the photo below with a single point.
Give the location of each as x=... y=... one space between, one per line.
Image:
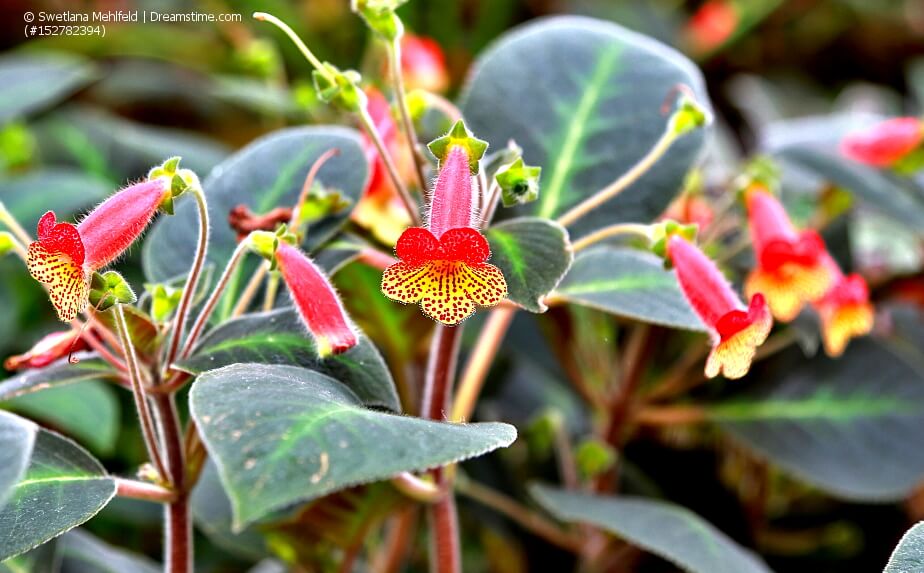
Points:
x=519 y=183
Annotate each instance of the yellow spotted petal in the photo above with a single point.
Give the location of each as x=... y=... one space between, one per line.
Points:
x=67 y=284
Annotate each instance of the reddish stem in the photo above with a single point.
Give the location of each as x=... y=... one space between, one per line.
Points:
x=179 y=549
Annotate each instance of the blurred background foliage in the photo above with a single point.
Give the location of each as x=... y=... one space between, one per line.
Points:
x=147 y=91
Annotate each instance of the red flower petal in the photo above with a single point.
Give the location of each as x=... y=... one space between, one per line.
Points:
x=464 y=244
x=417 y=245
x=884 y=143
x=56 y=260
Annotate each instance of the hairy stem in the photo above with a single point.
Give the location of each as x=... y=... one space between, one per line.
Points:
x=397 y=77
x=192 y=282
x=269 y=296
x=213 y=299
x=479 y=362
x=250 y=291
x=445 y=553
x=148 y=430
x=612 y=231
x=309 y=55
x=408 y=201
x=178 y=550
x=417 y=489
x=13 y=225
x=625 y=180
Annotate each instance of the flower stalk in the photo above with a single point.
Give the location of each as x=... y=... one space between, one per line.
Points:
x=397 y=78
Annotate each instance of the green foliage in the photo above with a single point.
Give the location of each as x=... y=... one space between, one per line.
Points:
x=33 y=82
x=908 y=557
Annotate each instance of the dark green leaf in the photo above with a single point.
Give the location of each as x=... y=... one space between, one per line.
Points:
x=29 y=83
x=627 y=282
x=60 y=189
x=534 y=255
x=61 y=372
x=17 y=437
x=279 y=337
x=267 y=173
x=667 y=530
x=908 y=556
x=43 y=559
x=211 y=509
x=63 y=487
x=281 y=435
x=838 y=424
x=583 y=98
x=84 y=553
x=87 y=411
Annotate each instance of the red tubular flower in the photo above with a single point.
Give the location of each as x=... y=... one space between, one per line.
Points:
x=50 y=348
x=316 y=301
x=444 y=266
x=381 y=209
x=65 y=255
x=711 y=25
x=690 y=209
x=736 y=330
x=885 y=143
x=790 y=264
x=845 y=310
x=423 y=64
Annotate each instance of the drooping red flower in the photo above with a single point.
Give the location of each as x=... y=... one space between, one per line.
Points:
x=736 y=330
x=443 y=267
x=423 y=64
x=790 y=268
x=885 y=143
x=65 y=255
x=381 y=210
x=711 y=25
x=47 y=350
x=845 y=309
x=316 y=301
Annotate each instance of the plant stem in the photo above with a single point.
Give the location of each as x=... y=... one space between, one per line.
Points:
x=269 y=296
x=394 y=551
x=213 y=299
x=307 y=185
x=264 y=17
x=417 y=489
x=625 y=180
x=397 y=76
x=97 y=345
x=490 y=207
x=526 y=518
x=670 y=415
x=445 y=553
x=13 y=225
x=192 y=283
x=612 y=231
x=141 y=401
x=409 y=204
x=250 y=291
x=178 y=550
x=144 y=491
x=479 y=362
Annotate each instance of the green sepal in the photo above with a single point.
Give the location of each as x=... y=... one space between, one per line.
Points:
x=164 y=300
x=910 y=163
x=265 y=243
x=594 y=457
x=519 y=183
x=6 y=243
x=380 y=16
x=662 y=232
x=179 y=180
x=109 y=289
x=762 y=171
x=688 y=116
x=320 y=203
x=459 y=135
x=340 y=89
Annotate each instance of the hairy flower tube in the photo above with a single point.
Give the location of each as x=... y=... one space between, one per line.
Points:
x=423 y=64
x=65 y=256
x=47 y=350
x=381 y=210
x=885 y=143
x=316 y=301
x=443 y=266
x=736 y=330
x=845 y=310
x=790 y=264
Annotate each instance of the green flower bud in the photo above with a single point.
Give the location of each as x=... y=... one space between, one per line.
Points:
x=662 y=232
x=460 y=136
x=688 y=116
x=109 y=289
x=594 y=457
x=339 y=88
x=164 y=300
x=519 y=183
x=380 y=17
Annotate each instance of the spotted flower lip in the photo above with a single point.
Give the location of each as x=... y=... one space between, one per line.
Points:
x=447 y=276
x=443 y=267
x=317 y=301
x=65 y=255
x=845 y=310
x=790 y=269
x=423 y=64
x=885 y=143
x=736 y=330
x=47 y=350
